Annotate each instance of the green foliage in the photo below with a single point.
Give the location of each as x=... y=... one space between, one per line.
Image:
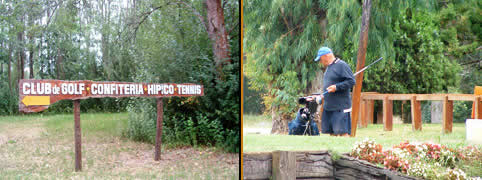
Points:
x=423 y=68
x=252 y=102
x=281 y=38
x=462 y=111
x=426 y=112
x=8 y=100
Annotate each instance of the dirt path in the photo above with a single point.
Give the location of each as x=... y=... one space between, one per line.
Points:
x=29 y=150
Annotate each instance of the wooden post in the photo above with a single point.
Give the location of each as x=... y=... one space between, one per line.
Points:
x=370 y=111
x=77 y=134
x=284 y=165
x=416 y=114
x=478 y=107
x=387 y=114
x=160 y=113
x=447 y=115
x=362 y=49
x=363 y=114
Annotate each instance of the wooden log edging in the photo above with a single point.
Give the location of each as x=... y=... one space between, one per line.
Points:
x=311 y=165
x=351 y=168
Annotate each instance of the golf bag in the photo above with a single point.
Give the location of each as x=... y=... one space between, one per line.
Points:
x=304 y=123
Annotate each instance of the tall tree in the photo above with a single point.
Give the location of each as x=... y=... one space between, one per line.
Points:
x=31 y=45
x=10 y=46
x=281 y=38
x=20 y=49
x=217 y=31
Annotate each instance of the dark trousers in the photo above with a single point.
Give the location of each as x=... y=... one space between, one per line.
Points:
x=336 y=122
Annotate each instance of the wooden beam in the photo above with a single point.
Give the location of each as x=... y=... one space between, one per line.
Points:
x=387 y=114
x=447 y=115
x=370 y=111
x=416 y=114
x=284 y=165
x=362 y=49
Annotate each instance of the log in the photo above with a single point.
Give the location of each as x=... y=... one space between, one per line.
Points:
x=257 y=165
x=284 y=165
x=350 y=168
x=314 y=165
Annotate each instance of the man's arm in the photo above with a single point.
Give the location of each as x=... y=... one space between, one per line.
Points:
x=347 y=75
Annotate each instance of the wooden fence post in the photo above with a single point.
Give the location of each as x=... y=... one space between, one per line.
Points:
x=160 y=113
x=363 y=113
x=370 y=111
x=78 y=136
x=387 y=114
x=284 y=165
x=447 y=115
x=416 y=114
x=478 y=107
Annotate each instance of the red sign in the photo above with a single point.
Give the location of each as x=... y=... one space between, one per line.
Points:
x=37 y=95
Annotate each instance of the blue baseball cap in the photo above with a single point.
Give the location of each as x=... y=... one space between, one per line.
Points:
x=322 y=51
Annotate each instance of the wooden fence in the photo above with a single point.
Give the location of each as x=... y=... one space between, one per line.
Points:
x=368 y=98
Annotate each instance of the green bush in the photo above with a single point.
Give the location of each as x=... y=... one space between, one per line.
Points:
x=462 y=111
x=8 y=101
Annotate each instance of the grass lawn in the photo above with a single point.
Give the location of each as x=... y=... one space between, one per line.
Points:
x=253 y=142
x=42 y=146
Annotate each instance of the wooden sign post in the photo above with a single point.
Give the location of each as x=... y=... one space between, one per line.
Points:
x=37 y=95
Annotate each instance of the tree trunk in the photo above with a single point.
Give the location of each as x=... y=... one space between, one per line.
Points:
x=278 y=125
x=217 y=32
x=21 y=56
x=60 y=69
x=10 y=67
x=31 y=51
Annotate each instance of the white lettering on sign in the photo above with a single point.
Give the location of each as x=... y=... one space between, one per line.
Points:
x=37 y=88
x=189 y=89
x=72 y=88
x=163 y=89
x=117 y=89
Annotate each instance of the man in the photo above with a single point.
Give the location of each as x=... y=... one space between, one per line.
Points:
x=337 y=80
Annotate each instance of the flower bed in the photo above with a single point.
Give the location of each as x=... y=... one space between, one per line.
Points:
x=424 y=160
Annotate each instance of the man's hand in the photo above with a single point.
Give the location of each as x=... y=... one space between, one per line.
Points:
x=331 y=88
